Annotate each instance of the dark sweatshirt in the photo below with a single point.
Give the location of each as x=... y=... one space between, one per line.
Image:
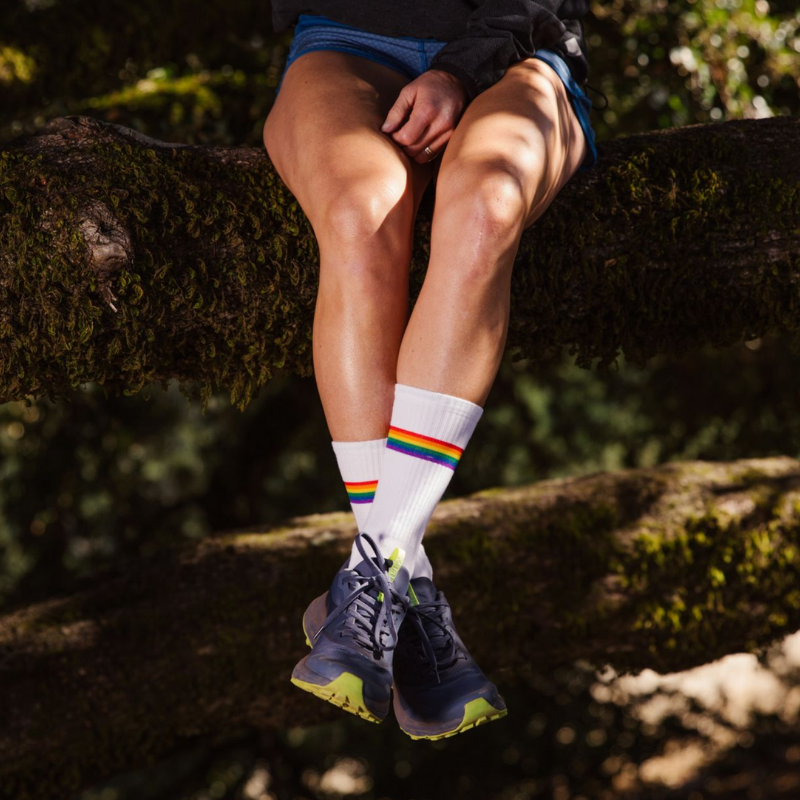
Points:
x=483 y=38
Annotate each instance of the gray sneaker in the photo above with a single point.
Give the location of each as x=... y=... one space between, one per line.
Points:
x=439 y=690
x=352 y=630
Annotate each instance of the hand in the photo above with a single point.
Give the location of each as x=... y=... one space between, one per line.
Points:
x=425 y=113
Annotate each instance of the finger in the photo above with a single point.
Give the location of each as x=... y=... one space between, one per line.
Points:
x=398 y=112
x=411 y=134
x=437 y=145
x=430 y=134
x=426 y=135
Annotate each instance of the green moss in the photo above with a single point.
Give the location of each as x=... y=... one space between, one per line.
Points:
x=582 y=522
x=493 y=491
x=703 y=587
x=645 y=231
x=215 y=294
x=221 y=287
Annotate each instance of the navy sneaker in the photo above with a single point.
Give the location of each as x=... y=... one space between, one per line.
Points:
x=439 y=690
x=352 y=630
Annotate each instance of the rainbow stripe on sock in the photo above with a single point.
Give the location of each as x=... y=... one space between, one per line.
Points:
x=415 y=444
x=361 y=491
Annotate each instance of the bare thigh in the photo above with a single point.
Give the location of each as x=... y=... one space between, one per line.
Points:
x=323 y=137
x=514 y=149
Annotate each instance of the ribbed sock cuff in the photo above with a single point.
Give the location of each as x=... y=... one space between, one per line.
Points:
x=431 y=424
x=359 y=461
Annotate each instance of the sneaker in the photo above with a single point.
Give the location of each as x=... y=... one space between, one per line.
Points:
x=352 y=631
x=439 y=690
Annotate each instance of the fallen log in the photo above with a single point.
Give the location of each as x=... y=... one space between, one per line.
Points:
x=666 y=567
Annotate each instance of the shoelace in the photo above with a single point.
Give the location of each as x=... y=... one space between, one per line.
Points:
x=362 y=605
x=446 y=643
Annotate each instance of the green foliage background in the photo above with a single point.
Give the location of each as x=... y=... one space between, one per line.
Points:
x=102 y=477
x=89 y=481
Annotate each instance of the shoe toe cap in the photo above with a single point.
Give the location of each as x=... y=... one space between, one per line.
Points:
x=325 y=664
x=445 y=702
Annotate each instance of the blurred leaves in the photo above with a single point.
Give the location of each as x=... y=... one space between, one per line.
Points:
x=666 y=64
x=88 y=481
x=60 y=57
x=661 y=64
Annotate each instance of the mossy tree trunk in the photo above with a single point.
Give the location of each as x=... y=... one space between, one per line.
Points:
x=666 y=567
x=127 y=261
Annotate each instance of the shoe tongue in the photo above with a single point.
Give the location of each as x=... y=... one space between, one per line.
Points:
x=362 y=569
x=396 y=572
x=423 y=590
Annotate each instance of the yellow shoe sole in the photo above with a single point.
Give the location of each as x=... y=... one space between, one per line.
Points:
x=346 y=691
x=476 y=712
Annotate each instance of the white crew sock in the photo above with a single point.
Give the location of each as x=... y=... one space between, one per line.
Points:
x=426 y=438
x=359 y=464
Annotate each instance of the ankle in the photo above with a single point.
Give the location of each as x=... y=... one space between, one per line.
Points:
x=422 y=565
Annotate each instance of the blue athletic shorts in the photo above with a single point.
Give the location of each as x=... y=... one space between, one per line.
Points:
x=412 y=57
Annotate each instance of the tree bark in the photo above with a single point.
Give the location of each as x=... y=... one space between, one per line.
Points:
x=126 y=261
x=666 y=567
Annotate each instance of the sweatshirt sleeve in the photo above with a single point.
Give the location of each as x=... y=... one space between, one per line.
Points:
x=499 y=33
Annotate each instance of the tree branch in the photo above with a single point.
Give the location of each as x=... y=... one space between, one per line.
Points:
x=667 y=567
x=127 y=261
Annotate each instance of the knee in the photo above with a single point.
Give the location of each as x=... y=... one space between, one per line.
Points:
x=364 y=233
x=486 y=201
x=368 y=212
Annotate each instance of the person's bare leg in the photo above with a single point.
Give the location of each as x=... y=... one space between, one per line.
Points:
x=515 y=147
x=360 y=192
